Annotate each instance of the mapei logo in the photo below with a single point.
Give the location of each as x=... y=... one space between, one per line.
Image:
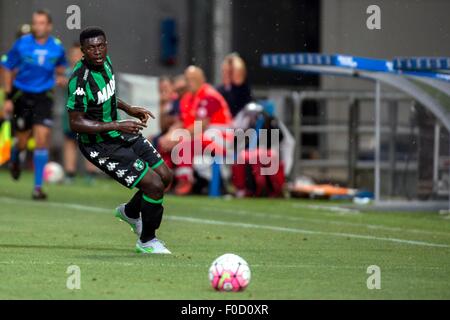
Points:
x=107 y=92
x=79 y=92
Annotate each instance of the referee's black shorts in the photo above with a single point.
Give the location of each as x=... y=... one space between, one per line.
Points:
x=31 y=109
x=126 y=159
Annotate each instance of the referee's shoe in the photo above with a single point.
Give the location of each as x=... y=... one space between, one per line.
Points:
x=14 y=169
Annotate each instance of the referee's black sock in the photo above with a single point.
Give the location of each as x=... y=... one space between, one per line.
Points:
x=15 y=154
x=133 y=207
x=152 y=212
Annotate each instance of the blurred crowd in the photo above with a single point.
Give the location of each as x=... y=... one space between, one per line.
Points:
x=185 y=100
x=188 y=99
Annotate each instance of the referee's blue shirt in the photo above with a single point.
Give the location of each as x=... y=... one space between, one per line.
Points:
x=35 y=63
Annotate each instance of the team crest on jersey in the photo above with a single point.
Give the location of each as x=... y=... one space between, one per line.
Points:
x=107 y=92
x=139 y=165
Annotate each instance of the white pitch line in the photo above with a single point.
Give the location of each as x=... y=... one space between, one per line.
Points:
x=303 y=231
x=239 y=224
x=322 y=221
x=335 y=209
x=201 y=265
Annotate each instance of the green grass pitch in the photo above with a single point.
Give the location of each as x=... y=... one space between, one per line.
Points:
x=296 y=249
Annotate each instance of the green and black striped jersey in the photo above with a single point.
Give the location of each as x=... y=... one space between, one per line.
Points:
x=93 y=91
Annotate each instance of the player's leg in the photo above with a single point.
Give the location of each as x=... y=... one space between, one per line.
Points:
x=156 y=180
x=166 y=175
x=22 y=123
x=152 y=210
x=20 y=145
x=41 y=135
x=131 y=213
x=145 y=150
x=125 y=162
x=116 y=161
x=42 y=124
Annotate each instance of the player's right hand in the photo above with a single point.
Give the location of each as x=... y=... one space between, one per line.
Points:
x=8 y=107
x=130 y=126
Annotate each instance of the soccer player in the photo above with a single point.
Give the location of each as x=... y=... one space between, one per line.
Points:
x=29 y=77
x=117 y=147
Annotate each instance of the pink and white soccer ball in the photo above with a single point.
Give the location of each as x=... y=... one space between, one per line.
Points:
x=53 y=173
x=229 y=272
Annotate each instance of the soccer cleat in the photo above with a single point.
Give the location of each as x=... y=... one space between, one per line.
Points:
x=154 y=246
x=14 y=169
x=38 y=194
x=135 y=224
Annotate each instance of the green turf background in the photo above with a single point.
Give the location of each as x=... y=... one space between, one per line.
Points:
x=39 y=241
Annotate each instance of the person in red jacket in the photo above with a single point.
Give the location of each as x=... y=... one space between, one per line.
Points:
x=201 y=103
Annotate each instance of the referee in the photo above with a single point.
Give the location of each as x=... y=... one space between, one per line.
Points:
x=29 y=74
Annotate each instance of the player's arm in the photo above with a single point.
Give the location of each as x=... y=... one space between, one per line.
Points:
x=61 y=79
x=77 y=106
x=138 y=112
x=79 y=124
x=8 y=105
x=9 y=63
x=7 y=80
x=60 y=70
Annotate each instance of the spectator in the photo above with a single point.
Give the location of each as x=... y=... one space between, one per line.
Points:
x=201 y=103
x=235 y=88
x=247 y=174
x=180 y=87
x=170 y=93
x=167 y=95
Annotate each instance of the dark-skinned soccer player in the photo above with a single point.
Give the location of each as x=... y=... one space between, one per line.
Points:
x=117 y=146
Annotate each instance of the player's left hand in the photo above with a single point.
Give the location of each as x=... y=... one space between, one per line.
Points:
x=141 y=113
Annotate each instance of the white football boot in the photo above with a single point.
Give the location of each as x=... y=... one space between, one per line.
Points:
x=154 y=246
x=135 y=224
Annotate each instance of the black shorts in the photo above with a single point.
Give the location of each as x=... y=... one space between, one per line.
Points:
x=31 y=109
x=125 y=159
